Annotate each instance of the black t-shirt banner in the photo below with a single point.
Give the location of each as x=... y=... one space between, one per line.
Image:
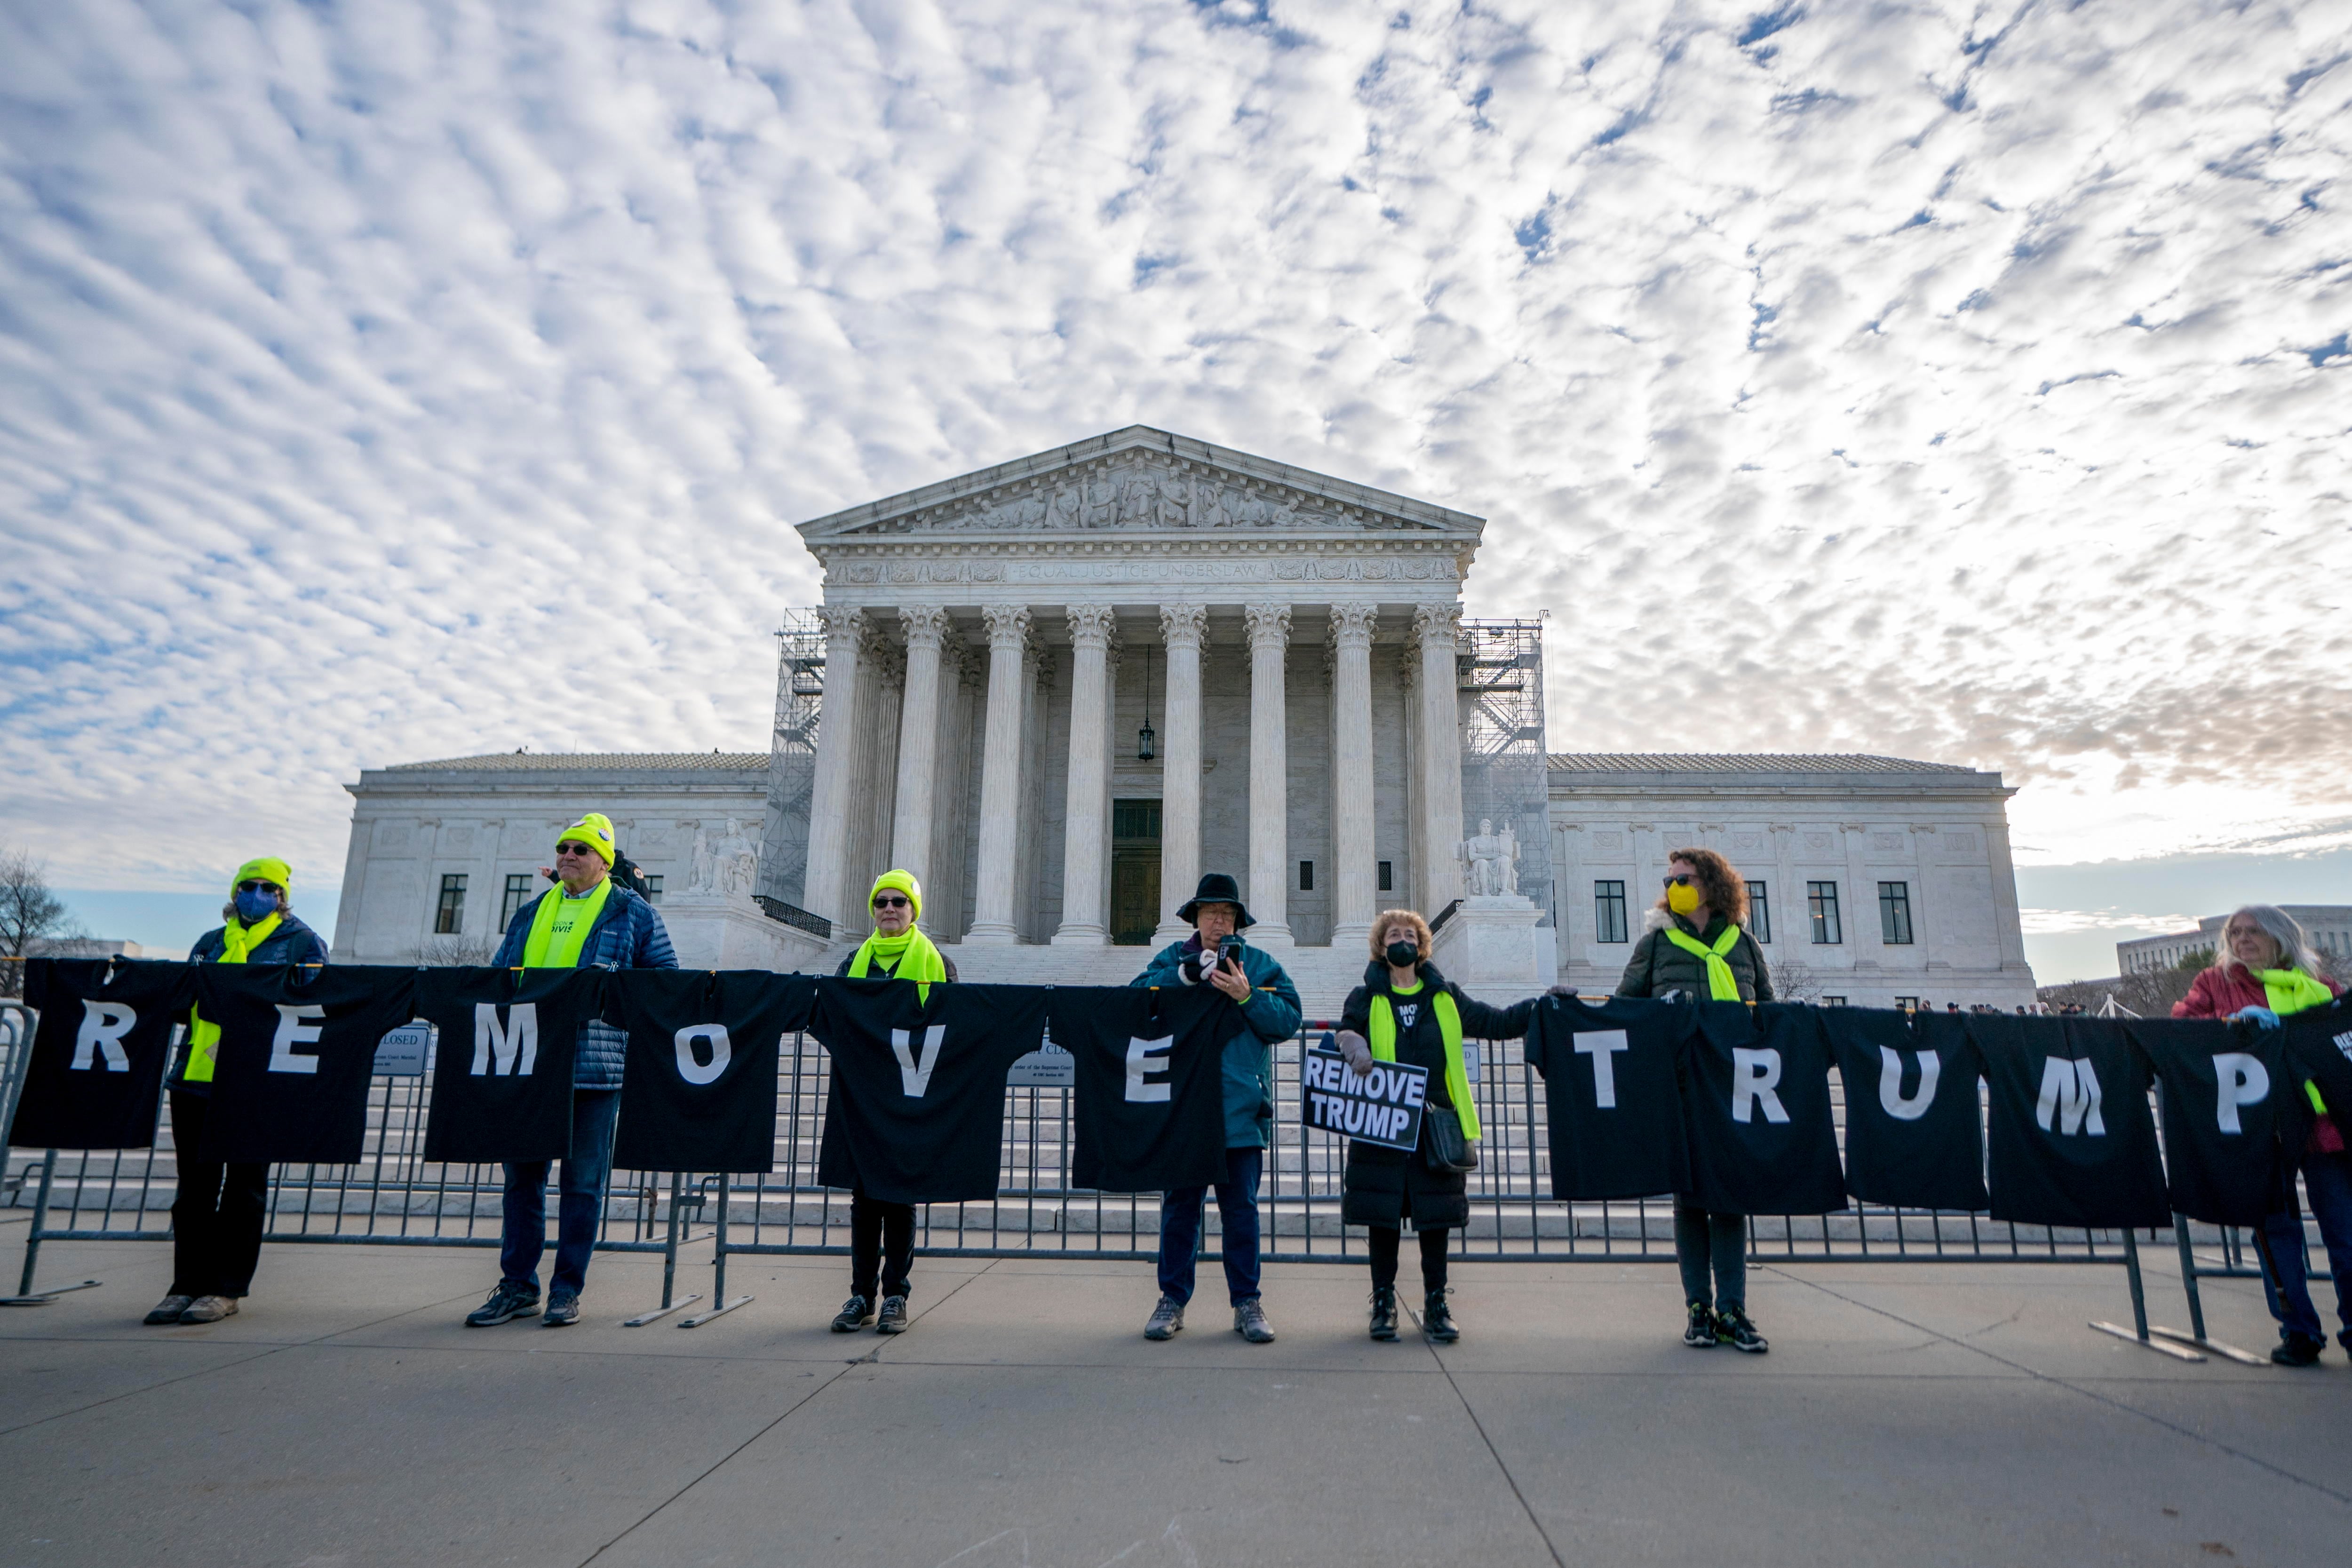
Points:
x=1763 y=1139
x=1149 y=1100
x=2071 y=1139
x=97 y=1068
x=502 y=1073
x=2317 y=1045
x=2226 y=1087
x=1913 y=1138
x=1610 y=1088
x=698 y=1093
x=916 y=1114
x=290 y=1081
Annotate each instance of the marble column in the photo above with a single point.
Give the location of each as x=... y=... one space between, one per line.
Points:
x=1435 y=629
x=918 y=743
x=1267 y=894
x=836 y=742
x=995 y=876
x=1181 y=627
x=1086 y=817
x=1353 y=877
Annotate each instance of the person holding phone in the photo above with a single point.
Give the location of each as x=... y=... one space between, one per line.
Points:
x=1215 y=955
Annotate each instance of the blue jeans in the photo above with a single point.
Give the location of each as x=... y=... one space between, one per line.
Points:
x=523 y=1239
x=2327 y=1179
x=1180 y=1229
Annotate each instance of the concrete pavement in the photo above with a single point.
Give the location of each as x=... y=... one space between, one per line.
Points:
x=1911 y=1413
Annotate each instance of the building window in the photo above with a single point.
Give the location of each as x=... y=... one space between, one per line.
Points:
x=1907 y=1003
x=1388 y=878
x=1821 y=901
x=449 y=915
x=1608 y=911
x=1307 y=876
x=653 y=890
x=1895 y=913
x=1759 y=912
x=518 y=894
x=1833 y=1001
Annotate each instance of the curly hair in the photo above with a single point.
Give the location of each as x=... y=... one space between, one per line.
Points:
x=1725 y=890
x=1387 y=918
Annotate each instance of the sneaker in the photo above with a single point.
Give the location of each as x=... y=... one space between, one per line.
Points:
x=854 y=1314
x=168 y=1310
x=1732 y=1327
x=1249 y=1322
x=508 y=1301
x=1699 y=1333
x=1437 y=1323
x=562 y=1309
x=2295 y=1349
x=894 y=1316
x=1167 y=1320
x=1384 y=1313
x=209 y=1310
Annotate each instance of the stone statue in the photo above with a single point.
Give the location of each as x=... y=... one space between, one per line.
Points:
x=1489 y=861
x=735 y=863
x=699 y=878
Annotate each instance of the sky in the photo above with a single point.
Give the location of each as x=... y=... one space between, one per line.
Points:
x=1960 y=382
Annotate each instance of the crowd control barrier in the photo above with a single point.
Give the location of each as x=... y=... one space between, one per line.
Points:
x=393 y=1197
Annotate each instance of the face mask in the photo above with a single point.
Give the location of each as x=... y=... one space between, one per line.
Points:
x=1403 y=954
x=256 y=907
x=1682 y=898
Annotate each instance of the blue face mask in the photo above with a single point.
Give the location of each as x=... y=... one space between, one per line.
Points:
x=255 y=906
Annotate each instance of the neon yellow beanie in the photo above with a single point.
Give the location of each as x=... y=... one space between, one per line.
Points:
x=264 y=869
x=595 y=829
x=904 y=881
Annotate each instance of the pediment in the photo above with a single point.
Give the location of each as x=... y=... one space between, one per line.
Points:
x=1142 y=481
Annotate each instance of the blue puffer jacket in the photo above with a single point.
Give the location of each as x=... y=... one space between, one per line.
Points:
x=628 y=935
x=1271 y=1013
x=291 y=943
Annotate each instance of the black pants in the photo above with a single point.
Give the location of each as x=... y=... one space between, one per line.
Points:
x=881 y=1246
x=1385 y=1242
x=217 y=1218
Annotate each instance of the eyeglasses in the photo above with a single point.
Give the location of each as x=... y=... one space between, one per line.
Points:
x=569 y=848
x=1683 y=881
x=890 y=901
x=256 y=886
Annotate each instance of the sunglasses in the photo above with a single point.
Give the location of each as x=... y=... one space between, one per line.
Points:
x=1682 y=882
x=254 y=887
x=890 y=901
x=569 y=848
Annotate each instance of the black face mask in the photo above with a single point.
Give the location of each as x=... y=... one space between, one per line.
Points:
x=1403 y=954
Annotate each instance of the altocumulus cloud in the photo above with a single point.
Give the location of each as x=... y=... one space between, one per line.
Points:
x=397 y=380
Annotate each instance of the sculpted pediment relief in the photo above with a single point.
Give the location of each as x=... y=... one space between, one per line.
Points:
x=1143 y=481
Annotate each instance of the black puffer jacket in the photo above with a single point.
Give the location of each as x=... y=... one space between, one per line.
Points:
x=1386 y=1186
x=1658 y=965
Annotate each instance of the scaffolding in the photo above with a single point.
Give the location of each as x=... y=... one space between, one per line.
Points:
x=792 y=758
x=1506 y=776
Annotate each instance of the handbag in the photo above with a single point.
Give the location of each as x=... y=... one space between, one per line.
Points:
x=1447 y=1151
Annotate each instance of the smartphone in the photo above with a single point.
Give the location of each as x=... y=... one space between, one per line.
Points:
x=1230 y=950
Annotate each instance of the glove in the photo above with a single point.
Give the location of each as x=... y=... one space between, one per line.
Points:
x=1356 y=1050
x=1569 y=990
x=2263 y=1016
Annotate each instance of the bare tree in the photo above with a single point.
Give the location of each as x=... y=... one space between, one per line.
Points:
x=2150 y=993
x=1794 y=981
x=457 y=952
x=2087 y=994
x=28 y=913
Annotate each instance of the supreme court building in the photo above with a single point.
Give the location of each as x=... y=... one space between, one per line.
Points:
x=1059 y=689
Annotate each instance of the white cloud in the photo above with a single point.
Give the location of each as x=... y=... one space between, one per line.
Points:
x=399 y=382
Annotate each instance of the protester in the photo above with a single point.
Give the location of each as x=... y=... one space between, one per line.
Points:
x=1696 y=945
x=1406 y=1012
x=882 y=1235
x=2262 y=970
x=1269 y=1010
x=217 y=1214
x=587 y=919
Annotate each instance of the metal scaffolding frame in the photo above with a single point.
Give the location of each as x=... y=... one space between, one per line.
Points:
x=1499 y=668
x=791 y=759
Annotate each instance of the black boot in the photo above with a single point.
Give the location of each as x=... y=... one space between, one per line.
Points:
x=1437 y=1320
x=1384 y=1313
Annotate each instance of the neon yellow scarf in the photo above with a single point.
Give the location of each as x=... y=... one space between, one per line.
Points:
x=548 y=948
x=909 y=955
x=2291 y=990
x=238 y=942
x=1721 y=983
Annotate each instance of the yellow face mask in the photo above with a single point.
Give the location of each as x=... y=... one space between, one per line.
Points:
x=1682 y=898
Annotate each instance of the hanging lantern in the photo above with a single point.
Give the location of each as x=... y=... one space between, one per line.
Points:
x=1144 y=738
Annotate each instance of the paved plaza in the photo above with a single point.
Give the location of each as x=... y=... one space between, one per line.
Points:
x=1913 y=1414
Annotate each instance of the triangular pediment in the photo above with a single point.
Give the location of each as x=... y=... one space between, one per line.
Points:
x=1141 y=481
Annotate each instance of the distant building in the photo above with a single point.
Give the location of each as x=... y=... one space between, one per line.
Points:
x=84 y=947
x=2329 y=927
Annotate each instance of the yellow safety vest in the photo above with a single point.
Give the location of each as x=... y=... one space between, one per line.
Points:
x=1449 y=1027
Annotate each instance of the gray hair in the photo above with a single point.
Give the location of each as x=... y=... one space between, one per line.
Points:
x=2295 y=948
